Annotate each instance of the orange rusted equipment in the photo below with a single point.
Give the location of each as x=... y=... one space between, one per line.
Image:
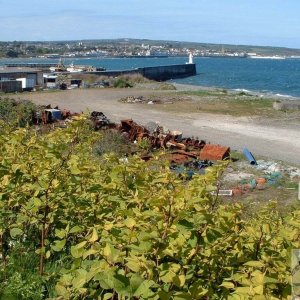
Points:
x=214 y=152
x=135 y=131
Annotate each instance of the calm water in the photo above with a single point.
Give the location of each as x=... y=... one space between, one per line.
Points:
x=281 y=77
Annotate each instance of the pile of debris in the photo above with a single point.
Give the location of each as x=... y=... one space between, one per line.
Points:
x=47 y=115
x=262 y=175
x=184 y=153
x=189 y=154
x=100 y=121
x=150 y=100
x=269 y=167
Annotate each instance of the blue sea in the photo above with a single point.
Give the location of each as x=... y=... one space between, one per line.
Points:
x=265 y=76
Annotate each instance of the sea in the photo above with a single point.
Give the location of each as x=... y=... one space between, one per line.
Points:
x=274 y=77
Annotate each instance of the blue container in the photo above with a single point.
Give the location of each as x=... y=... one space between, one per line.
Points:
x=56 y=115
x=249 y=156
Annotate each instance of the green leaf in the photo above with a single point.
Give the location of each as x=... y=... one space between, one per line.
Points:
x=74 y=170
x=107 y=251
x=80 y=278
x=48 y=254
x=62 y=291
x=164 y=295
x=94 y=237
x=37 y=202
x=130 y=223
x=106 y=279
x=108 y=296
x=227 y=285
x=81 y=245
x=254 y=263
x=179 y=281
x=182 y=296
x=59 y=244
x=76 y=229
x=89 y=252
x=133 y=264
x=76 y=253
x=60 y=233
x=259 y=290
x=14 y=232
x=121 y=285
x=242 y=291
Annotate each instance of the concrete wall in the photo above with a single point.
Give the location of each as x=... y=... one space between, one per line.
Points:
x=160 y=73
x=114 y=73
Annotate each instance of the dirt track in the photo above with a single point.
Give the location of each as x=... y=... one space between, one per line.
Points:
x=270 y=140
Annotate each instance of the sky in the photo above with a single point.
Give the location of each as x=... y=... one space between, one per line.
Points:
x=244 y=22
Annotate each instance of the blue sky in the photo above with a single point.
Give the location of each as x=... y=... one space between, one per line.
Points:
x=251 y=22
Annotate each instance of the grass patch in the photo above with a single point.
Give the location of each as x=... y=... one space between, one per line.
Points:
x=237 y=156
x=166 y=86
x=205 y=93
x=220 y=102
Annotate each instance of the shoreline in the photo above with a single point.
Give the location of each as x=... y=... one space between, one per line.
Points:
x=281 y=92
x=264 y=95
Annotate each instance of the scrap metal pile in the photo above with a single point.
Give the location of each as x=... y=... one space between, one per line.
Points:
x=189 y=154
x=186 y=155
x=45 y=114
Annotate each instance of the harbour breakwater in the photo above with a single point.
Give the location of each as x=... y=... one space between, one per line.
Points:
x=158 y=73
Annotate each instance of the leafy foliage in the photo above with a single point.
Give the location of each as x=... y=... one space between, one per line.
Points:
x=111 y=229
x=17 y=113
x=113 y=142
x=122 y=82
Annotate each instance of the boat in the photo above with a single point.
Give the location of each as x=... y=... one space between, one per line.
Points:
x=74 y=69
x=60 y=67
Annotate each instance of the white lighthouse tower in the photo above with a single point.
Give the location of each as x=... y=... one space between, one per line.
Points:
x=190 y=58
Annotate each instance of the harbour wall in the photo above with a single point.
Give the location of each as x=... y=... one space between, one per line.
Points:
x=158 y=73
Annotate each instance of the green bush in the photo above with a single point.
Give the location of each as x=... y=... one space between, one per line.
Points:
x=122 y=82
x=111 y=229
x=18 y=113
x=113 y=142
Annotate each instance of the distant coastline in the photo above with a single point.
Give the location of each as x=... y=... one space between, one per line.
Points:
x=274 y=77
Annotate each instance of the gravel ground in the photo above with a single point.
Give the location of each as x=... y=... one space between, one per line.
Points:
x=270 y=139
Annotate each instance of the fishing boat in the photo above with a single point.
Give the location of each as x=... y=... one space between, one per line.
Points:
x=74 y=69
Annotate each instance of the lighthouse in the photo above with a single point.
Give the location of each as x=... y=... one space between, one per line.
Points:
x=190 y=58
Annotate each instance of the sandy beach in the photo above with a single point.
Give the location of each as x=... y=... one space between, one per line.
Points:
x=273 y=138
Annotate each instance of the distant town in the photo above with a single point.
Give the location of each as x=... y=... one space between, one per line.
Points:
x=137 y=48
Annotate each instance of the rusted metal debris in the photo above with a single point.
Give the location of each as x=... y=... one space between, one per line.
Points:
x=158 y=138
x=46 y=114
x=182 y=150
x=186 y=149
x=99 y=120
x=134 y=131
x=214 y=152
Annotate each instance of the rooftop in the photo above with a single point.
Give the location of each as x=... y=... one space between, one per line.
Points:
x=5 y=70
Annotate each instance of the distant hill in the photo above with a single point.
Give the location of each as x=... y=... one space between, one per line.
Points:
x=263 y=50
x=35 y=48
